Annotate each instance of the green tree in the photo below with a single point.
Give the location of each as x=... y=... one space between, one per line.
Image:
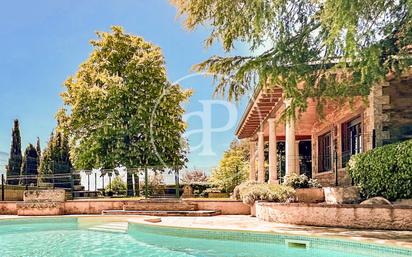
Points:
x=55 y=160
x=38 y=149
x=332 y=49
x=29 y=168
x=233 y=168
x=122 y=108
x=14 y=165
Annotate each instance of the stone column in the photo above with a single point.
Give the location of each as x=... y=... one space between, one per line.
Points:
x=252 y=158
x=261 y=158
x=290 y=145
x=273 y=163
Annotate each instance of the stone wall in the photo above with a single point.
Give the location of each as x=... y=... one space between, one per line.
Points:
x=91 y=206
x=397 y=110
x=8 y=208
x=227 y=207
x=328 y=178
x=345 y=215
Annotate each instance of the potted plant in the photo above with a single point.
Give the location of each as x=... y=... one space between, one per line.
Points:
x=307 y=190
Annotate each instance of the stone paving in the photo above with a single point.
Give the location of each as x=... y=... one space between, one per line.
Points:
x=242 y=222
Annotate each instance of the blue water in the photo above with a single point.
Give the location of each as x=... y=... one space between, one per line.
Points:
x=62 y=237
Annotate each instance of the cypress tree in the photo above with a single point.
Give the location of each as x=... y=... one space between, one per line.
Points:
x=56 y=162
x=38 y=149
x=15 y=160
x=46 y=161
x=29 y=166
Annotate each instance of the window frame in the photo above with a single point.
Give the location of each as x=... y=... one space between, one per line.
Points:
x=351 y=138
x=325 y=152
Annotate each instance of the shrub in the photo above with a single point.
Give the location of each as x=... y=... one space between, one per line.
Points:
x=300 y=181
x=385 y=171
x=249 y=192
x=117 y=186
x=241 y=188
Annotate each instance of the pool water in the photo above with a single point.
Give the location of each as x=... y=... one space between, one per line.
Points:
x=63 y=237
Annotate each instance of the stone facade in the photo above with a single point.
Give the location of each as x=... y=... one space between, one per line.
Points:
x=386 y=117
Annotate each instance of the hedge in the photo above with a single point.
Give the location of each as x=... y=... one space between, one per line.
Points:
x=384 y=171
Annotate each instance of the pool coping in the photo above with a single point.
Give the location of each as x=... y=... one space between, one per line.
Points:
x=366 y=240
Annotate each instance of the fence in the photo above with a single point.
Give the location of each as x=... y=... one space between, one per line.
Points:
x=148 y=181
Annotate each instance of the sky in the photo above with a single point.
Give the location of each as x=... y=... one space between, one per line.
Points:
x=44 y=41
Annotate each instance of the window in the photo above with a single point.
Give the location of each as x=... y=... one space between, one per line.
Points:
x=351 y=139
x=324 y=153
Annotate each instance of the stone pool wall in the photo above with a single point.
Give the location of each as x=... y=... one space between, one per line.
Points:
x=334 y=215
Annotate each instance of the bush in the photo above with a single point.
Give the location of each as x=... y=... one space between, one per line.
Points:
x=117 y=186
x=249 y=192
x=385 y=171
x=300 y=181
x=241 y=188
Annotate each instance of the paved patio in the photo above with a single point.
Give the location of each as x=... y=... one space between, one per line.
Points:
x=243 y=222
x=248 y=223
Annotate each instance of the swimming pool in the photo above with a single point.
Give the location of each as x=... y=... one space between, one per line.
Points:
x=66 y=237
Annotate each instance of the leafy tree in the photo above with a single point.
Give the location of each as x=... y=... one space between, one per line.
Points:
x=117 y=186
x=29 y=166
x=195 y=176
x=122 y=109
x=14 y=165
x=233 y=167
x=332 y=49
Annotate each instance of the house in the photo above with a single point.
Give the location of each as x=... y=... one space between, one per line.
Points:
x=321 y=147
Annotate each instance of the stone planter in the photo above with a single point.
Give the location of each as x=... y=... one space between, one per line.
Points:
x=52 y=195
x=341 y=195
x=40 y=209
x=253 y=210
x=310 y=195
x=42 y=203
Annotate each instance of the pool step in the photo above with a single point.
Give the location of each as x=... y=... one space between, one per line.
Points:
x=197 y=213
x=113 y=227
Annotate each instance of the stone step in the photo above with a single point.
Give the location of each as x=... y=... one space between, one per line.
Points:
x=195 y=213
x=113 y=227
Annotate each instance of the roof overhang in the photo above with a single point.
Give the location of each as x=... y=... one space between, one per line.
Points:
x=257 y=110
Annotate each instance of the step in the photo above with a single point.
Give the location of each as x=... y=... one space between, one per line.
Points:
x=196 y=213
x=113 y=227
